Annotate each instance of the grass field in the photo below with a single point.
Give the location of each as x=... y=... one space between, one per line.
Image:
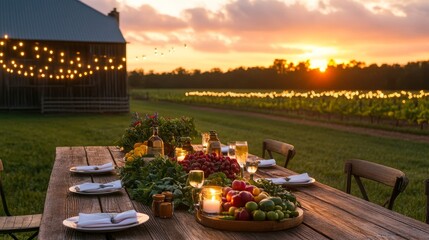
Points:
x=28 y=142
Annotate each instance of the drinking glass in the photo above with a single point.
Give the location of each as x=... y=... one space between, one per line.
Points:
x=252 y=166
x=241 y=153
x=196 y=180
x=231 y=149
x=205 y=136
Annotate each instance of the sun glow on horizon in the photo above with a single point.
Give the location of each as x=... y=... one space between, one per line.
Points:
x=320 y=64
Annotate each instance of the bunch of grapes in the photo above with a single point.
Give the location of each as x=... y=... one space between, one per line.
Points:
x=211 y=163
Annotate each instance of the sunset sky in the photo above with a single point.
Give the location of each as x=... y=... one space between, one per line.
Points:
x=204 y=34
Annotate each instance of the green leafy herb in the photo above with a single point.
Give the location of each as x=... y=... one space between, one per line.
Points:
x=159 y=175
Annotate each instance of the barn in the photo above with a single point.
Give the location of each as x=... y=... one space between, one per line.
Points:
x=61 y=56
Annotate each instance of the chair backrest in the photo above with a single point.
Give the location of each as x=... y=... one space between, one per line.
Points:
x=375 y=172
x=3 y=198
x=427 y=199
x=285 y=149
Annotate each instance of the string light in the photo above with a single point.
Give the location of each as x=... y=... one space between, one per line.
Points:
x=51 y=71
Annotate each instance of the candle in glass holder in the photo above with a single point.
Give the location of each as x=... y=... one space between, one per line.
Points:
x=211 y=199
x=205 y=136
x=180 y=154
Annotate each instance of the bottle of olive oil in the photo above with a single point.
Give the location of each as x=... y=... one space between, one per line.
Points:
x=214 y=146
x=155 y=144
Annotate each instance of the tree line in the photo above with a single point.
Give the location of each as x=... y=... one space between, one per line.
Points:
x=282 y=74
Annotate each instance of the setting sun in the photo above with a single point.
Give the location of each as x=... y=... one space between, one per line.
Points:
x=320 y=64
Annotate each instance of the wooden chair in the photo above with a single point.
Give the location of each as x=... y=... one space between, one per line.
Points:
x=376 y=172
x=12 y=224
x=285 y=149
x=427 y=199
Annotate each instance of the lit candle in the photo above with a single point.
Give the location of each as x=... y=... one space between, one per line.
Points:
x=211 y=205
x=180 y=154
x=211 y=200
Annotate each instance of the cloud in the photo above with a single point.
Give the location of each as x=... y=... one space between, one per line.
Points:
x=358 y=29
x=277 y=22
x=146 y=18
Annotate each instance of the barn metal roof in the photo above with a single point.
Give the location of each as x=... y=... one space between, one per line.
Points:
x=57 y=20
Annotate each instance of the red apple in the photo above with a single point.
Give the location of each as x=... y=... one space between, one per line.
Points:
x=243 y=215
x=236 y=212
x=224 y=199
x=230 y=194
x=245 y=196
x=249 y=188
x=225 y=190
x=238 y=185
x=226 y=206
x=237 y=201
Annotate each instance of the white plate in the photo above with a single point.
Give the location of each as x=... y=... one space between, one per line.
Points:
x=72 y=223
x=104 y=191
x=73 y=169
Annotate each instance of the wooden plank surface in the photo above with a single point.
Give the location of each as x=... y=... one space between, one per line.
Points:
x=328 y=212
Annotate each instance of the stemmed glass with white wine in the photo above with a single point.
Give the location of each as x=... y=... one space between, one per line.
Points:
x=252 y=166
x=196 y=180
x=241 y=153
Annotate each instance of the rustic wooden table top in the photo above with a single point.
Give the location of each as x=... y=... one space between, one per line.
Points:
x=328 y=212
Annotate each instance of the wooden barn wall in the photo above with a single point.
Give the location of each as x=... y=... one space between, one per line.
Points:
x=26 y=92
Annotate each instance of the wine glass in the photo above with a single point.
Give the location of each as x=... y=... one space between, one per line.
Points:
x=241 y=153
x=252 y=166
x=196 y=180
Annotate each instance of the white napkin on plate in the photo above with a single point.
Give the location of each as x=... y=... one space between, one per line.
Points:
x=281 y=180
x=107 y=166
x=95 y=187
x=267 y=162
x=99 y=220
x=300 y=178
x=224 y=149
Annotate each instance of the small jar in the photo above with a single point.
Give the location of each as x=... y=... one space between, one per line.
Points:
x=157 y=199
x=166 y=210
x=168 y=196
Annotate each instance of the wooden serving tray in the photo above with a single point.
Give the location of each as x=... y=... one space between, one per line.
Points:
x=249 y=226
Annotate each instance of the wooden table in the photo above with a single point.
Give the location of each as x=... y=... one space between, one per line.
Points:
x=328 y=213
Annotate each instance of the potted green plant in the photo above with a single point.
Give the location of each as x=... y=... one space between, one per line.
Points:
x=170 y=130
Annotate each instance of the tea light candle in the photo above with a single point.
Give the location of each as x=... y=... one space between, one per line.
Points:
x=211 y=205
x=180 y=154
x=211 y=200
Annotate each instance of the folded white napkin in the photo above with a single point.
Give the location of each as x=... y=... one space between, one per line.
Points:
x=224 y=149
x=97 y=187
x=106 y=166
x=267 y=162
x=99 y=220
x=300 y=178
x=277 y=180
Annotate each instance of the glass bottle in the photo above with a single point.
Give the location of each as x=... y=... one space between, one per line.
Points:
x=155 y=144
x=187 y=144
x=214 y=145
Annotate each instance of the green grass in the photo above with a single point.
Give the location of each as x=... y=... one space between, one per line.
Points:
x=28 y=142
